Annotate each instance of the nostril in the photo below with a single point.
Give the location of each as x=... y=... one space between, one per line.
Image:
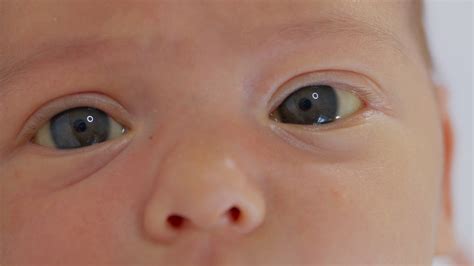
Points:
x=234 y=214
x=175 y=221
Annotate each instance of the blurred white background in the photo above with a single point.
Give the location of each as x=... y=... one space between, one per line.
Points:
x=450 y=34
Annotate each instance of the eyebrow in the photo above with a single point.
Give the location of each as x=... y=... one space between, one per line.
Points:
x=70 y=50
x=340 y=24
x=279 y=35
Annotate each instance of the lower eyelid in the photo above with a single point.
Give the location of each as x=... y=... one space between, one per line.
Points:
x=303 y=141
x=336 y=139
x=356 y=119
x=102 y=147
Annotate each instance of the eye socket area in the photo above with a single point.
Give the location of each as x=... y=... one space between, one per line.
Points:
x=78 y=127
x=316 y=105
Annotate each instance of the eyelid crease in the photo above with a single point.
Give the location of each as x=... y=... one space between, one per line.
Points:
x=90 y=99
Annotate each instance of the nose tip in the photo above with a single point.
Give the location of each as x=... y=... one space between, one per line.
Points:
x=198 y=188
x=234 y=219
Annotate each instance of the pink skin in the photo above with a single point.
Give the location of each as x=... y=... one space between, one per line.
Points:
x=195 y=84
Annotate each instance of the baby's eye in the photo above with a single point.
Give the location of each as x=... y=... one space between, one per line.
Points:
x=316 y=104
x=78 y=127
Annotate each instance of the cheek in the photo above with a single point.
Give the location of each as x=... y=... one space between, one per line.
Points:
x=373 y=204
x=92 y=217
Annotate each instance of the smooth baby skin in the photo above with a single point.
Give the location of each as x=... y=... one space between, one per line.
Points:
x=203 y=176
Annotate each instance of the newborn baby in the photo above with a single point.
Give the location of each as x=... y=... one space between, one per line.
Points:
x=220 y=133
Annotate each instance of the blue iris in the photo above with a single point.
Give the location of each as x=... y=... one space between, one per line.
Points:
x=79 y=127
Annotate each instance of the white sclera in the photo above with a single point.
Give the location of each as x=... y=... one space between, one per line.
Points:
x=348 y=103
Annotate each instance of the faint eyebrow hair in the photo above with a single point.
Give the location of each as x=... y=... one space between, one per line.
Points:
x=65 y=50
x=339 y=23
x=279 y=35
x=71 y=49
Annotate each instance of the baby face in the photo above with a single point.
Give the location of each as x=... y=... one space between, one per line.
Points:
x=216 y=133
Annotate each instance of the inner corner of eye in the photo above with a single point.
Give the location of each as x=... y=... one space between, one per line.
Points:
x=274 y=115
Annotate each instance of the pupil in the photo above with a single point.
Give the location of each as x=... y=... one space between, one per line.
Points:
x=80 y=126
x=305 y=104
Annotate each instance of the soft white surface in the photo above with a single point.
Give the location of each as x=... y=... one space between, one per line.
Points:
x=450 y=33
x=442 y=261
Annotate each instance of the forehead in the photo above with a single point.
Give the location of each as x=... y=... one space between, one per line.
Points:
x=34 y=23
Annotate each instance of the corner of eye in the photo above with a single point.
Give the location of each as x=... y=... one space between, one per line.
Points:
x=274 y=116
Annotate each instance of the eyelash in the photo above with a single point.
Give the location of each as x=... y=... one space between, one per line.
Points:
x=95 y=100
x=370 y=95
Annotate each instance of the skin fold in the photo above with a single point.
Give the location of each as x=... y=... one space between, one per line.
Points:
x=194 y=82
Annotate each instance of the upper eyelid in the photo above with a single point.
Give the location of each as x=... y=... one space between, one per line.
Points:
x=55 y=106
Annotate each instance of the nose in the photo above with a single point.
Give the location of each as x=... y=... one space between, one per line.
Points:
x=202 y=188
